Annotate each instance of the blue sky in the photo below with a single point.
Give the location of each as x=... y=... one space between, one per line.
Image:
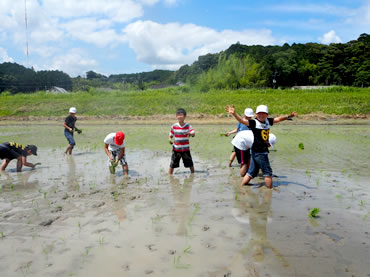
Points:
x=128 y=36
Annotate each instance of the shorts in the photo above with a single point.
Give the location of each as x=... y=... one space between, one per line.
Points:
x=7 y=153
x=69 y=137
x=259 y=161
x=115 y=154
x=243 y=156
x=177 y=156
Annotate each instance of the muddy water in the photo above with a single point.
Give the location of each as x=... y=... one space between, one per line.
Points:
x=71 y=217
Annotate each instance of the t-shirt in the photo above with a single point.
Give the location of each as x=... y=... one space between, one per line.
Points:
x=70 y=121
x=243 y=140
x=242 y=127
x=261 y=131
x=16 y=149
x=181 y=134
x=109 y=139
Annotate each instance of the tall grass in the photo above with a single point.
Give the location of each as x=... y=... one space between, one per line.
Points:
x=337 y=100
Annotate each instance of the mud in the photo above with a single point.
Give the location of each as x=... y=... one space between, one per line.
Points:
x=71 y=217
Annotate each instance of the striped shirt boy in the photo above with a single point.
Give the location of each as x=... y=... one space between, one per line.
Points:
x=181 y=135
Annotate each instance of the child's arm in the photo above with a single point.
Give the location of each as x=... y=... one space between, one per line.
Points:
x=107 y=152
x=25 y=163
x=67 y=127
x=285 y=117
x=170 y=140
x=231 y=110
x=231 y=132
x=121 y=154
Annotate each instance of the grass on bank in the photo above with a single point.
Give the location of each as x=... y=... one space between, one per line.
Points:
x=336 y=100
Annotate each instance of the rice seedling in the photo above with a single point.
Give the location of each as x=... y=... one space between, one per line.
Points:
x=79 y=226
x=301 y=146
x=178 y=264
x=364 y=217
x=2 y=236
x=101 y=240
x=314 y=213
x=12 y=187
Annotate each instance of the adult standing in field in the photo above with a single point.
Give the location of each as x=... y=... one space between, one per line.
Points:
x=12 y=150
x=69 y=127
x=115 y=149
x=248 y=114
x=260 y=127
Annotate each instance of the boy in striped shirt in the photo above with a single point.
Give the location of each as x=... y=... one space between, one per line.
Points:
x=181 y=132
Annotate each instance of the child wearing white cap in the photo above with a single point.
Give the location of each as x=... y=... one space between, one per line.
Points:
x=69 y=127
x=248 y=114
x=261 y=130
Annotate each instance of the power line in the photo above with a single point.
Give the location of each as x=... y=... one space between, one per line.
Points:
x=25 y=20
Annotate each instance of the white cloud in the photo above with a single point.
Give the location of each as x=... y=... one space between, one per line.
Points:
x=4 y=56
x=74 y=63
x=330 y=37
x=172 y=45
x=93 y=31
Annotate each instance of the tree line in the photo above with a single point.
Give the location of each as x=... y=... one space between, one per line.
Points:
x=17 y=78
x=240 y=66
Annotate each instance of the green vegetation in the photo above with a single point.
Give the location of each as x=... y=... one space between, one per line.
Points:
x=336 y=100
x=301 y=146
x=239 y=66
x=314 y=213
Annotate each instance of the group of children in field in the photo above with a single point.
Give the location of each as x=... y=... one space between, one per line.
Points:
x=250 y=143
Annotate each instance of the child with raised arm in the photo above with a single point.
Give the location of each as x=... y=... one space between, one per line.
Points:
x=181 y=132
x=114 y=147
x=260 y=127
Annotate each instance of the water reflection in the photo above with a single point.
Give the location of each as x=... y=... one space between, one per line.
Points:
x=181 y=194
x=21 y=181
x=252 y=207
x=72 y=178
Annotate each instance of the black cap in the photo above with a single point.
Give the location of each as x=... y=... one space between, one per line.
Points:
x=33 y=149
x=181 y=110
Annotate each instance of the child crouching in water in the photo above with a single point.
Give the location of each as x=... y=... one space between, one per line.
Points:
x=115 y=150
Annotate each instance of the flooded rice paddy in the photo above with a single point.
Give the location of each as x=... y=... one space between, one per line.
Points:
x=71 y=217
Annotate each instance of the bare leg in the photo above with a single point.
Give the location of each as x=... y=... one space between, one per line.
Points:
x=170 y=171
x=268 y=181
x=192 y=169
x=69 y=149
x=4 y=164
x=231 y=159
x=125 y=169
x=243 y=169
x=246 y=179
x=19 y=165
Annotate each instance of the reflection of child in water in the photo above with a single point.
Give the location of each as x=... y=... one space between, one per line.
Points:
x=181 y=198
x=256 y=207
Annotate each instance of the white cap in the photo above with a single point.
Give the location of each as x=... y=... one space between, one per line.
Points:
x=248 y=112
x=72 y=110
x=262 y=109
x=272 y=140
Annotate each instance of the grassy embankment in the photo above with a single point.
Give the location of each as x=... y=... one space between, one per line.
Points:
x=334 y=101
